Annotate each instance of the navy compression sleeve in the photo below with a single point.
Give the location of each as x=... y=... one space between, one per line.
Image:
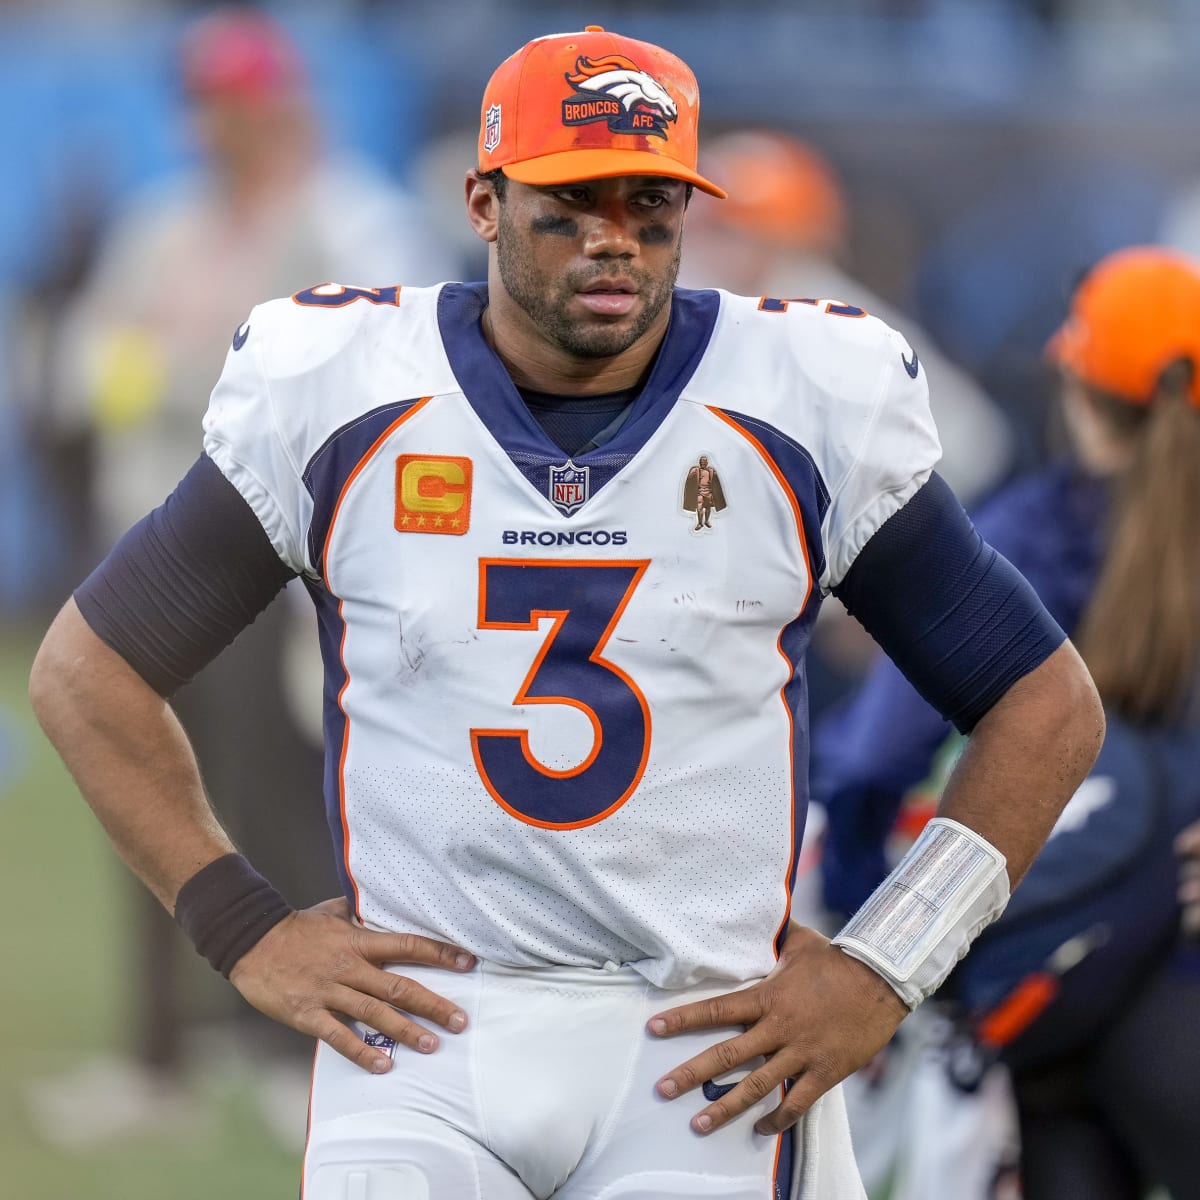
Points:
x=184 y=581
x=954 y=615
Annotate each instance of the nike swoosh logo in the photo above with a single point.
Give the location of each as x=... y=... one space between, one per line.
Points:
x=714 y=1091
x=910 y=367
x=243 y=332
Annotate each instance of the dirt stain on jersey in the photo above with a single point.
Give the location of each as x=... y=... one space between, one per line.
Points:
x=411 y=654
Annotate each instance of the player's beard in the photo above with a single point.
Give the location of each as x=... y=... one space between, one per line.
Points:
x=546 y=305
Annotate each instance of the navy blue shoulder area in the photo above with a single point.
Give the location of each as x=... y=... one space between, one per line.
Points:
x=491 y=393
x=184 y=581
x=796 y=466
x=479 y=370
x=330 y=468
x=960 y=621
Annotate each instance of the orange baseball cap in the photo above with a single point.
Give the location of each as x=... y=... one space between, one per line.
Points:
x=787 y=193
x=1136 y=312
x=591 y=105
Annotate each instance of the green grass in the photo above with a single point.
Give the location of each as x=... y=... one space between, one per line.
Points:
x=63 y=955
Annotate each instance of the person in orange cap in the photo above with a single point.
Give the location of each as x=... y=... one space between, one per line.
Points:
x=1107 y=536
x=1129 y=355
x=565 y=722
x=1129 y=352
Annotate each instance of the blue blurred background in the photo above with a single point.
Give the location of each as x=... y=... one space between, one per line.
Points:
x=989 y=150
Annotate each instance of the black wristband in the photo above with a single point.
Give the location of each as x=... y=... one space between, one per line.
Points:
x=225 y=908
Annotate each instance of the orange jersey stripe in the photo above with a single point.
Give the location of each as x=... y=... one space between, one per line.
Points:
x=790 y=495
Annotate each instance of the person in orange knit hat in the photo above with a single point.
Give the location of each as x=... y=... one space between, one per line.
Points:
x=565 y=720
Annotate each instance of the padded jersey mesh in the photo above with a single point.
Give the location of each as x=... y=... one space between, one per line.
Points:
x=184 y=581
x=956 y=617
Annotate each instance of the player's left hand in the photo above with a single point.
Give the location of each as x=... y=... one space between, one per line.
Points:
x=818 y=1017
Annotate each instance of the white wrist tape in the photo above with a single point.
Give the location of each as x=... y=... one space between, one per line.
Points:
x=922 y=918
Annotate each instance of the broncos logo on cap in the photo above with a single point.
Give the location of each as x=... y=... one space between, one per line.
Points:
x=616 y=90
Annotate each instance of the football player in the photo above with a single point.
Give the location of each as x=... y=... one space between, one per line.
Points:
x=566 y=743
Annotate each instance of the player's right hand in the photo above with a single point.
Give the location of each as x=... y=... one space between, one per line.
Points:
x=318 y=966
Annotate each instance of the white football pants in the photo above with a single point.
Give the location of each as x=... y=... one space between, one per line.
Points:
x=550 y=1091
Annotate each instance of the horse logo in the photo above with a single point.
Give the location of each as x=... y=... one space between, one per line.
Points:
x=616 y=90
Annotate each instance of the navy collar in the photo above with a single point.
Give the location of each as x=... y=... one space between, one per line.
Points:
x=491 y=392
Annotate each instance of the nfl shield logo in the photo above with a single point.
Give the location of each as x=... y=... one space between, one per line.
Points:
x=491 y=128
x=568 y=486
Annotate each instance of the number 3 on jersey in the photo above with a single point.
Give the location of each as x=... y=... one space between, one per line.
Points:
x=585 y=600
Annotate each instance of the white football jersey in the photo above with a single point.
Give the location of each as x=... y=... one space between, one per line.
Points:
x=565 y=710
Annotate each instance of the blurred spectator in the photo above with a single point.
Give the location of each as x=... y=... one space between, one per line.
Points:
x=57 y=452
x=1108 y=540
x=268 y=212
x=780 y=233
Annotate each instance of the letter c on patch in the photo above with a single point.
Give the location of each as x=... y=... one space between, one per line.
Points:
x=433 y=493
